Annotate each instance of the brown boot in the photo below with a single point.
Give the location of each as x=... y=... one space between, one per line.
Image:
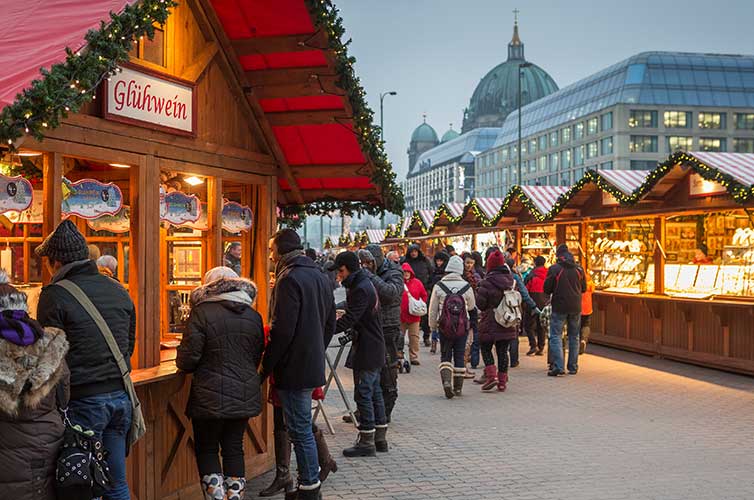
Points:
x=283 y=480
x=433 y=349
x=327 y=463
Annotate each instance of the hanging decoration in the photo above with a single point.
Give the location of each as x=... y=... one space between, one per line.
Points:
x=16 y=194
x=90 y=198
x=179 y=208
x=237 y=217
x=119 y=223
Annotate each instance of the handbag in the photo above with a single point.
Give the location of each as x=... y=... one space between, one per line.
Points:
x=138 y=426
x=416 y=307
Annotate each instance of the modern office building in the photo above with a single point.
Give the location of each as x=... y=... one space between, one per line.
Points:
x=628 y=116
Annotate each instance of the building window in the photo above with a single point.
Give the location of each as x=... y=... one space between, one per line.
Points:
x=151 y=50
x=743 y=145
x=578 y=155
x=607 y=121
x=565 y=159
x=745 y=121
x=554 y=161
x=565 y=135
x=504 y=154
x=712 y=120
x=677 y=119
x=542 y=163
x=711 y=144
x=591 y=150
x=532 y=147
x=643 y=164
x=608 y=165
x=606 y=145
x=642 y=119
x=554 y=139
x=532 y=164
x=676 y=143
x=643 y=144
x=592 y=126
x=542 y=142
x=578 y=130
x=553 y=180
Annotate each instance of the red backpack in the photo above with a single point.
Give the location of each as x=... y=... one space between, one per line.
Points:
x=454 y=320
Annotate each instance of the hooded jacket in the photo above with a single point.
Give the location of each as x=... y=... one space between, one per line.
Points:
x=438 y=272
x=31 y=430
x=421 y=265
x=222 y=347
x=455 y=282
x=388 y=281
x=535 y=283
x=488 y=297
x=303 y=323
x=565 y=282
x=417 y=291
x=362 y=314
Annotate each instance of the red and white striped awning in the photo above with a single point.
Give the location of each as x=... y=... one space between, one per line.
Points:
x=404 y=225
x=740 y=166
x=375 y=235
x=544 y=197
x=489 y=206
x=427 y=217
x=455 y=209
x=627 y=181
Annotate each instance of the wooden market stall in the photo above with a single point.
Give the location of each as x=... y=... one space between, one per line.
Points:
x=233 y=111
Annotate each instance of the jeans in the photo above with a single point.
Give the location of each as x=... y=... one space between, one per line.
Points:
x=474 y=319
x=453 y=350
x=389 y=372
x=425 y=327
x=501 y=346
x=109 y=416
x=368 y=397
x=535 y=332
x=556 y=346
x=213 y=435
x=514 y=350
x=297 y=407
x=435 y=335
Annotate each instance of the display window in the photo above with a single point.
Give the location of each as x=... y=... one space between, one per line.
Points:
x=538 y=241
x=498 y=239
x=621 y=255
x=573 y=241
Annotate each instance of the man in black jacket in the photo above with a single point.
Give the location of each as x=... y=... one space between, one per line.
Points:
x=566 y=282
x=302 y=325
x=98 y=398
x=423 y=272
x=367 y=354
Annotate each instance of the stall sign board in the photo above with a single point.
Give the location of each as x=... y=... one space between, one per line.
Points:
x=178 y=208
x=90 y=198
x=237 y=217
x=609 y=200
x=150 y=99
x=119 y=223
x=16 y=194
x=202 y=223
x=32 y=215
x=699 y=186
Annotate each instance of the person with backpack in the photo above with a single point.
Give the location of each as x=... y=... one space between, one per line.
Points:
x=413 y=289
x=441 y=260
x=449 y=306
x=535 y=284
x=565 y=282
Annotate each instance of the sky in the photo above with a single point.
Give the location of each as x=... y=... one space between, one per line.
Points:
x=435 y=52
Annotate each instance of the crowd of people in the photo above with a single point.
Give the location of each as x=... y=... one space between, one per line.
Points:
x=471 y=308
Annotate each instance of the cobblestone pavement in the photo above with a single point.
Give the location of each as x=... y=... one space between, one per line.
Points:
x=626 y=427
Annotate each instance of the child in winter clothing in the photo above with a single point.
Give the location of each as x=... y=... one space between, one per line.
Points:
x=586 y=313
x=535 y=284
x=441 y=260
x=411 y=286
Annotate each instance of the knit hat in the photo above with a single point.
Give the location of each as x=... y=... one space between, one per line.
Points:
x=495 y=259
x=376 y=251
x=287 y=240
x=15 y=325
x=348 y=259
x=217 y=273
x=365 y=255
x=10 y=298
x=65 y=244
x=455 y=265
x=561 y=250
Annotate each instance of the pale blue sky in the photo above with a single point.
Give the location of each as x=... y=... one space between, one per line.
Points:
x=434 y=52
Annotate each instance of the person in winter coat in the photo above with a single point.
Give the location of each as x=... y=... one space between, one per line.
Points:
x=452 y=350
x=222 y=347
x=413 y=287
x=367 y=355
x=423 y=271
x=473 y=278
x=99 y=400
x=478 y=264
x=387 y=279
x=535 y=284
x=232 y=257
x=31 y=428
x=586 y=314
x=441 y=260
x=530 y=307
x=301 y=327
x=565 y=282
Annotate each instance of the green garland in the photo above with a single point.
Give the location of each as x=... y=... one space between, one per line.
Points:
x=66 y=86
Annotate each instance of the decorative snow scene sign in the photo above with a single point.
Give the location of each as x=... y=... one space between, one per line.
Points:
x=16 y=194
x=90 y=198
x=202 y=223
x=178 y=208
x=32 y=215
x=237 y=217
x=119 y=223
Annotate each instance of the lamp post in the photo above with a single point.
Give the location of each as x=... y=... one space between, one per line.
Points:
x=382 y=98
x=520 y=75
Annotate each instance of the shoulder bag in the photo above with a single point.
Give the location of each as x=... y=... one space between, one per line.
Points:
x=416 y=307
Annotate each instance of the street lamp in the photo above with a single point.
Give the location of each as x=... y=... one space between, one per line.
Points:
x=382 y=98
x=520 y=75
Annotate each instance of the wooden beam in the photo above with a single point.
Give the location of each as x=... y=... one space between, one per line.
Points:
x=52 y=197
x=282 y=43
x=215 y=220
x=201 y=62
x=311 y=195
x=324 y=85
x=288 y=76
x=330 y=170
x=307 y=118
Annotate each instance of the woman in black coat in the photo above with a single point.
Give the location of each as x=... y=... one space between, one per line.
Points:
x=222 y=348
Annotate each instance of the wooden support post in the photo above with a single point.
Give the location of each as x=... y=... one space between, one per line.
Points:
x=659 y=259
x=52 y=197
x=215 y=219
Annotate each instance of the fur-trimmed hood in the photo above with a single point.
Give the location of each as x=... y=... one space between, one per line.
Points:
x=231 y=289
x=28 y=374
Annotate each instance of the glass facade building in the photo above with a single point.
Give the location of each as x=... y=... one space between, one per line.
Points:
x=627 y=116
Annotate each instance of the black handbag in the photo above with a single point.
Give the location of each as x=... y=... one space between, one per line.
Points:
x=81 y=471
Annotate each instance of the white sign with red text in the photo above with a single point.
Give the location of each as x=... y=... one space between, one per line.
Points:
x=156 y=101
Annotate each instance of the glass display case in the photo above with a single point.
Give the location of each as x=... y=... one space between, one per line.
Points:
x=538 y=241
x=621 y=254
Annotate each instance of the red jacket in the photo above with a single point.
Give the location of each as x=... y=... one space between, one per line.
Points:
x=417 y=290
x=535 y=283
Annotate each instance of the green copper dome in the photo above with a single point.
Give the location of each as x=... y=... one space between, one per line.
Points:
x=424 y=133
x=449 y=135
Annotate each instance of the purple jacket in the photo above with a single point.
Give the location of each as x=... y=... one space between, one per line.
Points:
x=488 y=297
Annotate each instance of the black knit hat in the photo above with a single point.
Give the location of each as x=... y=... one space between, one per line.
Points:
x=348 y=259
x=65 y=244
x=287 y=240
x=561 y=250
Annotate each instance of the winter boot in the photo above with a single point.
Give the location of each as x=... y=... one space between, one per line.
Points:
x=283 y=480
x=212 y=487
x=364 y=446
x=305 y=494
x=481 y=378
x=446 y=375
x=584 y=339
x=380 y=438
x=433 y=349
x=502 y=381
x=458 y=375
x=234 y=487
x=490 y=378
x=327 y=463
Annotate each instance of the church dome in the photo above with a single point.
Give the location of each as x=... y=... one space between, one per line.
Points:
x=449 y=135
x=424 y=133
x=496 y=95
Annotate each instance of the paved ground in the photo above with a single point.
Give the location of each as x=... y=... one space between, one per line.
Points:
x=626 y=427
